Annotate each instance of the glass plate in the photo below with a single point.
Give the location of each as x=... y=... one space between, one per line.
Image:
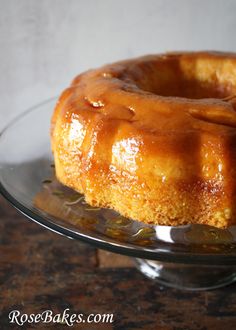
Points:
x=27 y=180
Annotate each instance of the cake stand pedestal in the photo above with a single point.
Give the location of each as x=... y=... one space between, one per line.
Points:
x=187 y=276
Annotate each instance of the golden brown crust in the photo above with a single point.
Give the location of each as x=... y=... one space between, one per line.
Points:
x=153 y=138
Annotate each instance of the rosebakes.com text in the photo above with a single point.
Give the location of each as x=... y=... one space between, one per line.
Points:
x=66 y=317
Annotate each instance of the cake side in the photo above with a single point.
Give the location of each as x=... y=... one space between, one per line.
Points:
x=160 y=160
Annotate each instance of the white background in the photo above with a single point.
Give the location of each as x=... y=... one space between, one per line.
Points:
x=45 y=43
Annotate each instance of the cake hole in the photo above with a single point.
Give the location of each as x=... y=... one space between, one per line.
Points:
x=191 y=78
x=191 y=89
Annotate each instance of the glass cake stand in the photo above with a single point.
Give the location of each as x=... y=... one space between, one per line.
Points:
x=191 y=257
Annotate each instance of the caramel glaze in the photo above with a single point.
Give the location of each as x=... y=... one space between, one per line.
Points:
x=153 y=138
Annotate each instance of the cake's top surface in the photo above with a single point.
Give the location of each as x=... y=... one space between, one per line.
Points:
x=187 y=91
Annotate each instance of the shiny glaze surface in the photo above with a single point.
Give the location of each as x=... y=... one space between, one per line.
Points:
x=153 y=138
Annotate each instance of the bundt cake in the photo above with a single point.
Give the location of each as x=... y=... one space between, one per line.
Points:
x=153 y=138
